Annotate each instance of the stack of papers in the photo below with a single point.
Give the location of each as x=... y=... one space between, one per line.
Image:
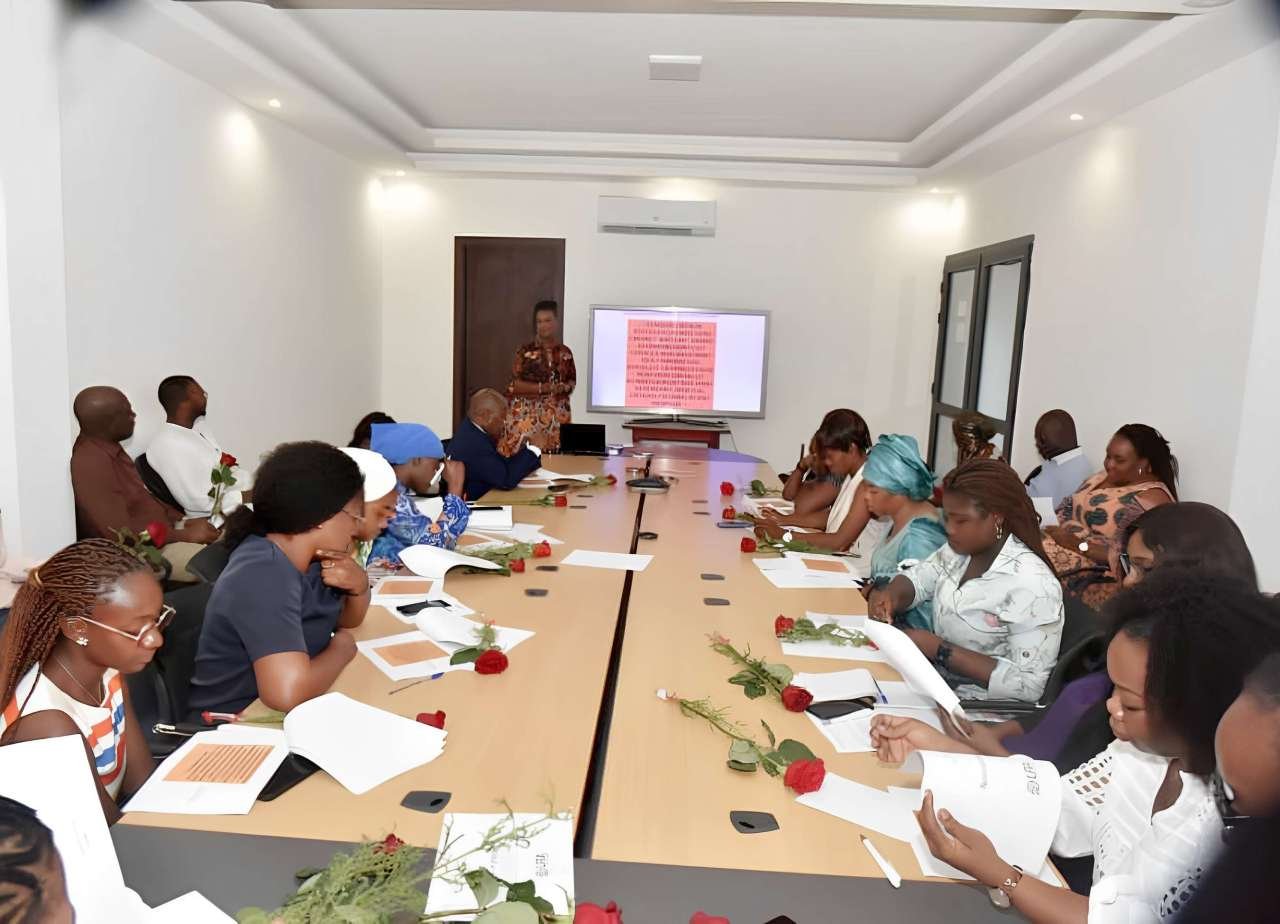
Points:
x=484 y=518
x=615 y=561
x=809 y=571
x=830 y=649
x=841 y=685
x=431 y=562
x=755 y=505
x=392 y=592
x=546 y=859
x=851 y=734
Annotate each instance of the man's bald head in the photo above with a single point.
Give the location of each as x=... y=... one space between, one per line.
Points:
x=104 y=412
x=1055 y=433
x=488 y=411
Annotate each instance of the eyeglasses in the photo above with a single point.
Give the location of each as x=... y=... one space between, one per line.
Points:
x=165 y=617
x=1125 y=564
x=1222 y=799
x=358 y=519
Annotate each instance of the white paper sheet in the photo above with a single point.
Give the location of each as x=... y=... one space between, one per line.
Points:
x=532 y=533
x=192 y=908
x=384 y=594
x=832 y=685
x=756 y=505
x=830 y=649
x=547 y=861
x=162 y=795
x=429 y=667
x=851 y=734
x=431 y=562
x=616 y=561
x=491 y=520
x=903 y=655
x=452 y=633
x=899 y=693
x=865 y=806
x=544 y=476
x=1015 y=801
x=359 y=745
x=53 y=777
x=430 y=506
x=789 y=572
x=1044 y=507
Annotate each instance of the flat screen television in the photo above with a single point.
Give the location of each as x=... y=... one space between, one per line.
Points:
x=678 y=361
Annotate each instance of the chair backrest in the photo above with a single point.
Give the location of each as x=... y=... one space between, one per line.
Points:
x=154 y=483
x=208 y=563
x=175 y=661
x=1083 y=649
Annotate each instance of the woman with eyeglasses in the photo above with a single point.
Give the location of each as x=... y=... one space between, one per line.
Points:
x=1144 y=808
x=1187 y=534
x=278 y=620
x=90 y=614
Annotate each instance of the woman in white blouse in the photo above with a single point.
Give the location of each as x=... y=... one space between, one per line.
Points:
x=997 y=605
x=1143 y=807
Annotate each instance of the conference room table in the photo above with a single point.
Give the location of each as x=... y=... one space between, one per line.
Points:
x=575 y=724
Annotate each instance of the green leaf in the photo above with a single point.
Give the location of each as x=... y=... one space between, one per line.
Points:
x=212 y=493
x=771 y=767
x=780 y=673
x=743 y=752
x=215 y=476
x=354 y=914
x=230 y=480
x=741 y=767
x=465 y=655
x=742 y=678
x=483 y=886
x=754 y=690
x=252 y=916
x=791 y=750
x=524 y=892
x=508 y=913
x=769 y=731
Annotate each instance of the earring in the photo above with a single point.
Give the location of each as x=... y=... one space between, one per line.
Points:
x=82 y=641
x=999 y=532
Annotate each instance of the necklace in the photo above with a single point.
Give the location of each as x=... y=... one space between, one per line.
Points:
x=76 y=680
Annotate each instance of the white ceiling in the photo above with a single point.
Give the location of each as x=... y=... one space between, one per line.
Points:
x=829 y=92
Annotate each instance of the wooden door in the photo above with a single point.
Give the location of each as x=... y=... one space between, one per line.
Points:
x=496 y=283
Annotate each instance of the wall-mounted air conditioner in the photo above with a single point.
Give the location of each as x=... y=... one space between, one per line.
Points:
x=627 y=215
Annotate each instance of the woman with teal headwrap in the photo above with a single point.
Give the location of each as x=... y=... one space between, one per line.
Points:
x=898 y=484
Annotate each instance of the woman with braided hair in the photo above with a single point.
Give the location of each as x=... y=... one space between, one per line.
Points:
x=88 y=615
x=33 y=885
x=997 y=605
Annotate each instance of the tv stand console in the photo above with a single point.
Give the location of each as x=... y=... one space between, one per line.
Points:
x=676 y=428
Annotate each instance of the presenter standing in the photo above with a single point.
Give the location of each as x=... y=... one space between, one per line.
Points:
x=543 y=377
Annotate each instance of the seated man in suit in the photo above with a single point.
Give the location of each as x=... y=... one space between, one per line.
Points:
x=476 y=446
x=184 y=455
x=109 y=493
x=1065 y=466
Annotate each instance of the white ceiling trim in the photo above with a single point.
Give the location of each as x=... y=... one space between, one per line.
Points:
x=830 y=175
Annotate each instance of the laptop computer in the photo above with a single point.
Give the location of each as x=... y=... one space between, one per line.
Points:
x=582 y=440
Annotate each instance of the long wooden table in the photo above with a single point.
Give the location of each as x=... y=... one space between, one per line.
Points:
x=524 y=735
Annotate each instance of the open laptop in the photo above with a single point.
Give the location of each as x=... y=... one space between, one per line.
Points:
x=582 y=440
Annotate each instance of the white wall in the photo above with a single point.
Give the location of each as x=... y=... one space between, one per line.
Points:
x=208 y=239
x=851 y=278
x=1144 y=277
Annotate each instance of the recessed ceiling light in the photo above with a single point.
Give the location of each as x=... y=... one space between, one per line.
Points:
x=399 y=173
x=1076 y=117
x=274 y=103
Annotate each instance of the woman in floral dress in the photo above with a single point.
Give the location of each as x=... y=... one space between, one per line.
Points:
x=542 y=378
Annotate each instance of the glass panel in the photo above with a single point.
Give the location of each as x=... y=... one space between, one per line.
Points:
x=998 y=442
x=998 y=331
x=944 y=448
x=955 y=345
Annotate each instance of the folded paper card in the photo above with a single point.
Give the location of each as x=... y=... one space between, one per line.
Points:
x=616 y=561
x=546 y=860
x=431 y=562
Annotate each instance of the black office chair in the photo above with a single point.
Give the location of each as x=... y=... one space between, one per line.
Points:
x=208 y=563
x=160 y=691
x=154 y=483
x=1083 y=650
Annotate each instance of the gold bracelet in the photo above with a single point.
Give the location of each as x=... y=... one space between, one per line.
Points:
x=1001 y=896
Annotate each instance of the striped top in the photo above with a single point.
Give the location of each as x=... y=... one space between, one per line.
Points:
x=102 y=726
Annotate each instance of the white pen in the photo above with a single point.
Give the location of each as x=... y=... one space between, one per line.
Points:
x=885 y=866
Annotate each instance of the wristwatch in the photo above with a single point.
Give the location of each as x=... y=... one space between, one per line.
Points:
x=1084 y=546
x=1001 y=895
x=942 y=656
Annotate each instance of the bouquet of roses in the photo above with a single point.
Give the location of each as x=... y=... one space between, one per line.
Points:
x=758 y=676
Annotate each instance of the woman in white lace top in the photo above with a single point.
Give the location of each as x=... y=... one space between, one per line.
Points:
x=1143 y=808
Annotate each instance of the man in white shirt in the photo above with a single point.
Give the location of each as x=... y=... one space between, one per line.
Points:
x=1065 y=466
x=184 y=455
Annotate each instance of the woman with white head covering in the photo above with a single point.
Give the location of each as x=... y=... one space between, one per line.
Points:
x=380 y=497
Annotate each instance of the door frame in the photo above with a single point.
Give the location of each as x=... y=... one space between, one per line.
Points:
x=460 y=244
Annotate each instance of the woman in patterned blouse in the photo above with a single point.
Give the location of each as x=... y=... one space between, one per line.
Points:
x=542 y=379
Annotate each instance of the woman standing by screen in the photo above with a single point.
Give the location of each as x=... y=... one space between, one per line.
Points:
x=542 y=378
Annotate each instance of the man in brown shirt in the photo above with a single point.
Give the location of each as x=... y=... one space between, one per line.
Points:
x=109 y=493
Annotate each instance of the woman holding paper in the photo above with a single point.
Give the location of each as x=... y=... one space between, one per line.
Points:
x=82 y=620
x=543 y=377
x=997 y=605
x=277 y=627
x=417 y=458
x=1143 y=808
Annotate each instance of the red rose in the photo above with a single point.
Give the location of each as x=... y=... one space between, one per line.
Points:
x=227 y=459
x=492 y=661
x=517 y=566
x=796 y=699
x=542 y=550
x=727 y=488
x=157 y=532
x=748 y=544
x=434 y=719
x=587 y=913
x=805 y=776
x=701 y=917
x=562 y=500
x=782 y=625
x=612 y=479
x=390 y=844
x=728 y=513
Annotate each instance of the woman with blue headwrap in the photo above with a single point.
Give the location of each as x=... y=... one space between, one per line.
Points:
x=898 y=485
x=418 y=460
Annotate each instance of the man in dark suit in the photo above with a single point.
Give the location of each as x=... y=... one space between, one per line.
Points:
x=476 y=446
